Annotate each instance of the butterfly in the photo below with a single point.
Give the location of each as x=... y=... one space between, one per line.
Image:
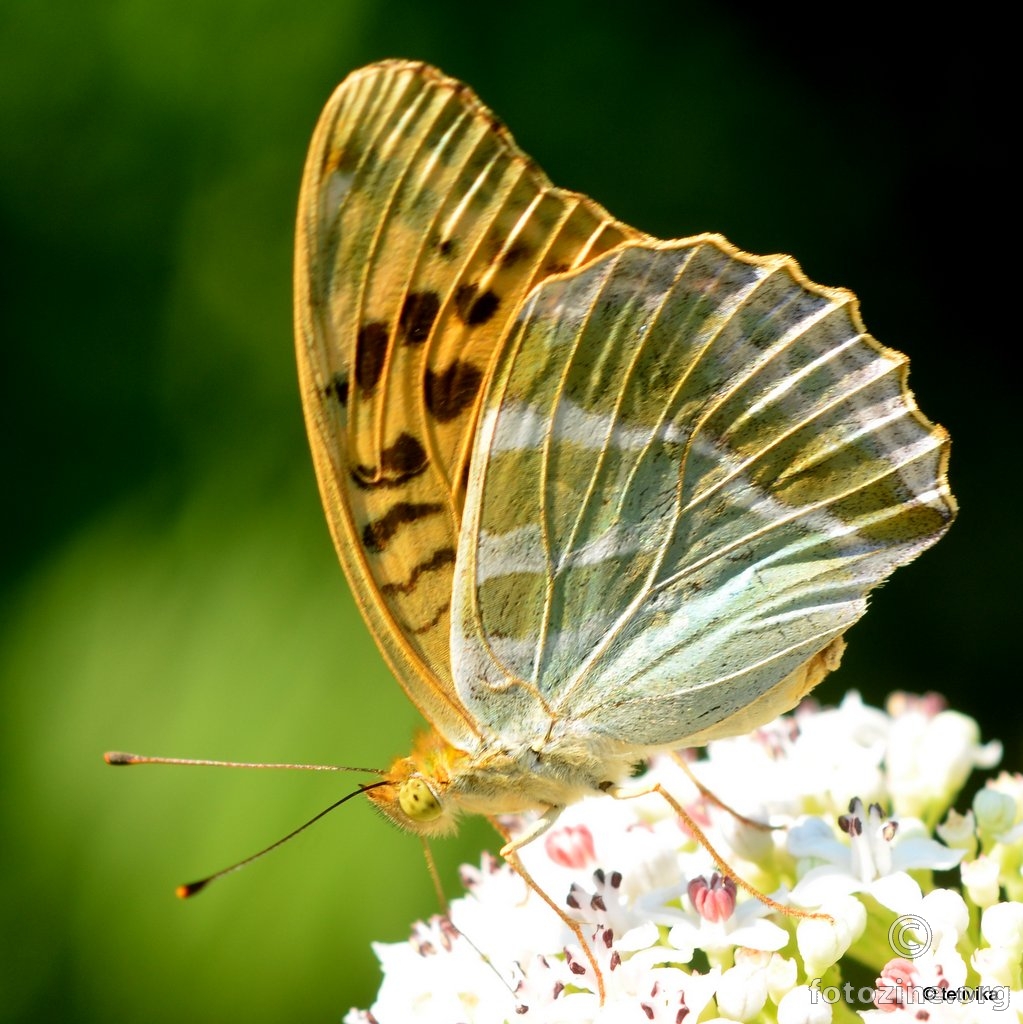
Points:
x=597 y=494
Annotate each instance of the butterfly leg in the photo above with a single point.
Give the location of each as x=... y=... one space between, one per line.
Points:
x=630 y=793
x=510 y=853
x=537 y=829
x=761 y=826
x=431 y=866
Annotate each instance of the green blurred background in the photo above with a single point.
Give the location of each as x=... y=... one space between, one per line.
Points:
x=169 y=585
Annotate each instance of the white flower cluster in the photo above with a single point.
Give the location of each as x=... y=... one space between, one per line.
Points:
x=855 y=794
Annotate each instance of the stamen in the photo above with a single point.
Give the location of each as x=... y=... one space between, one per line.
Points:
x=714 y=900
x=573 y=965
x=871 y=835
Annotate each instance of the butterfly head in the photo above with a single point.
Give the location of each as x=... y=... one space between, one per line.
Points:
x=414 y=798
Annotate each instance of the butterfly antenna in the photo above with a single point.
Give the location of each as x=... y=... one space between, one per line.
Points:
x=191 y=888
x=118 y=757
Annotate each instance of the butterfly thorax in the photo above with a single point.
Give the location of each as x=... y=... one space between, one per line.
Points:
x=437 y=782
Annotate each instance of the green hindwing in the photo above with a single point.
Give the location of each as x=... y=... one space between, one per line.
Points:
x=692 y=466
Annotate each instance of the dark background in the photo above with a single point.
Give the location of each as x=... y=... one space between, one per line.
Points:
x=168 y=580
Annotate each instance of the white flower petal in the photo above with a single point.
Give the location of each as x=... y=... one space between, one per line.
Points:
x=804 y=1005
x=898 y=891
x=980 y=879
x=1002 y=926
x=816 y=838
x=825 y=883
x=930 y=757
x=638 y=938
x=742 y=993
x=959 y=831
x=918 y=852
x=996 y=966
x=947 y=914
x=822 y=942
x=685 y=937
x=995 y=811
x=781 y=976
x=759 y=934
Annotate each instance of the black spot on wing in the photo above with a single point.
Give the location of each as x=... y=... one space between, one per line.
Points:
x=344 y=159
x=406 y=455
x=418 y=313
x=399 y=463
x=515 y=252
x=376 y=535
x=474 y=308
x=430 y=623
x=370 y=354
x=440 y=558
x=453 y=390
x=337 y=389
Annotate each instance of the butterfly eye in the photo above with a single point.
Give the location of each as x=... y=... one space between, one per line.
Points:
x=418 y=801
